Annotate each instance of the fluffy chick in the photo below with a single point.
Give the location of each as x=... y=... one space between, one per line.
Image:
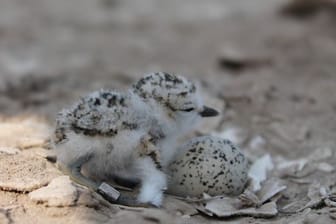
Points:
x=133 y=134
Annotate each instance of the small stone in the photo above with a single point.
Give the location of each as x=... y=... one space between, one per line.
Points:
x=59 y=193
x=234 y=59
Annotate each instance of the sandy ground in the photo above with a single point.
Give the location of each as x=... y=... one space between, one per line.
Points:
x=271 y=73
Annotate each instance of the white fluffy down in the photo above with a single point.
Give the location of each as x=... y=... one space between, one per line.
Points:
x=118 y=154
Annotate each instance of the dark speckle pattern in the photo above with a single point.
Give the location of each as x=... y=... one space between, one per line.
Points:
x=208 y=164
x=171 y=90
x=102 y=113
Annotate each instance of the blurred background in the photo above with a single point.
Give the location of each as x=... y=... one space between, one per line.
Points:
x=266 y=60
x=267 y=65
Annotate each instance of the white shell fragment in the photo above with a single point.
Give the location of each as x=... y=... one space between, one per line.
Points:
x=270 y=188
x=209 y=165
x=258 y=171
x=228 y=207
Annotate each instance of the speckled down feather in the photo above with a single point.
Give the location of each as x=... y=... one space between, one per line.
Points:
x=169 y=90
x=103 y=113
x=131 y=133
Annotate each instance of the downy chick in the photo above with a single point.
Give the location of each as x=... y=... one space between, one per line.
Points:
x=108 y=134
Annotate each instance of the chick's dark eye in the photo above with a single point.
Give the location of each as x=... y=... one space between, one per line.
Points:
x=188 y=109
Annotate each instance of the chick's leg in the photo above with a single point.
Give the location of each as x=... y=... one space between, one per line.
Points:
x=148 y=164
x=153 y=182
x=105 y=190
x=74 y=168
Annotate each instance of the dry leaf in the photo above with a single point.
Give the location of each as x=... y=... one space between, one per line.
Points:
x=201 y=208
x=228 y=207
x=297 y=165
x=325 y=167
x=332 y=213
x=294 y=168
x=303 y=167
x=270 y=189
x=248 y=203
x=330 y=203
x=320 y=154
x=316 y=194
x=249 y=199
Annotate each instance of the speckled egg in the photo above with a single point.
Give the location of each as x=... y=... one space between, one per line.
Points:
x=208 y=164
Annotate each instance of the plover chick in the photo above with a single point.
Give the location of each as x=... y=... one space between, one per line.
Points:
x=109 y=134
x=209 y=165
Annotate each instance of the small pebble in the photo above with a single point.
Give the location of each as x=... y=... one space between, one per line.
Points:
x=60 y=192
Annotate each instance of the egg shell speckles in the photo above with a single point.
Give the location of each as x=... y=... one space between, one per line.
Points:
x=208 y=164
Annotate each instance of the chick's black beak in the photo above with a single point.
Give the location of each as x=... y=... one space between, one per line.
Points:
x=208 y=112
